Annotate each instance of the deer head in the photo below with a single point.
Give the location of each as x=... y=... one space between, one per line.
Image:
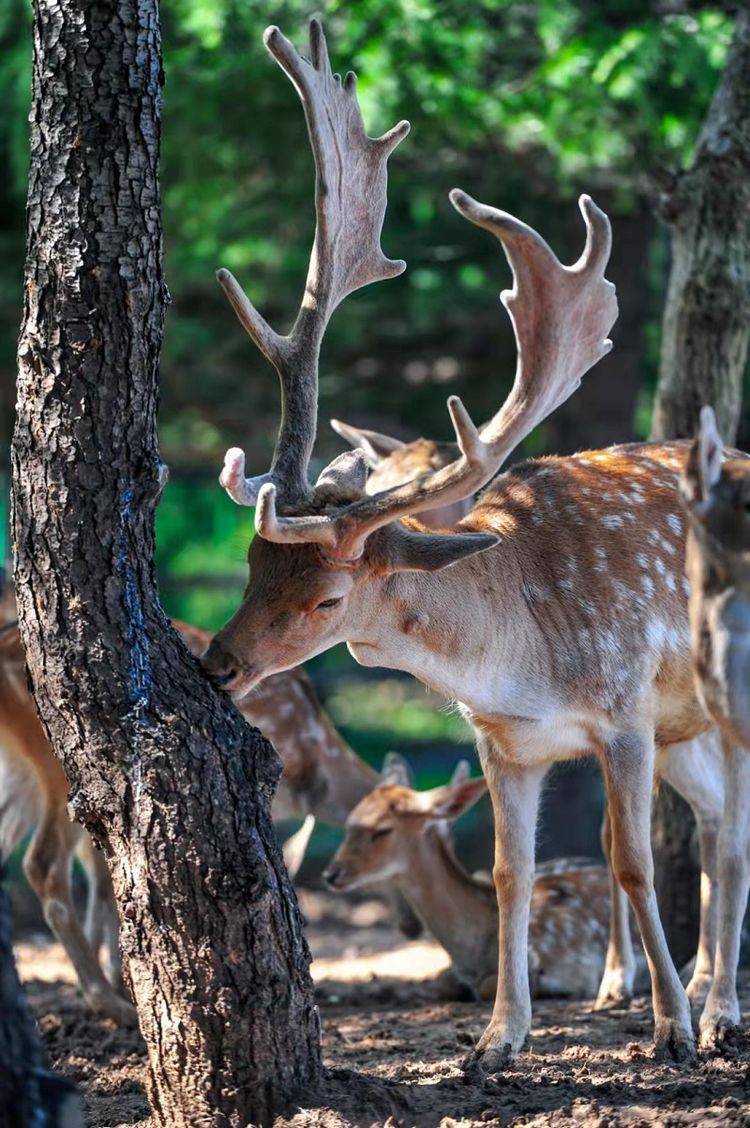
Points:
x=716 y=493
x=325 y=554
x=393 y=462
x=385 y=828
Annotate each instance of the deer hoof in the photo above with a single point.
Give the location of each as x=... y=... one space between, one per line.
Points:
x=495 y=1051
x=615 y=990
x=674 y=1040
x=718 y=1031
x=108 y=1004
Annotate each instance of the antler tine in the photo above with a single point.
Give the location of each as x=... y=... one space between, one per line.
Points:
x=318 y=529
x=350 y=203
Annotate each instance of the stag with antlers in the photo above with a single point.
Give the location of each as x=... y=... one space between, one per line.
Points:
x=555 y=613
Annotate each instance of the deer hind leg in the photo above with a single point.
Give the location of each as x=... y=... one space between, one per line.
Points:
x=616 y=987
x=629 y=768
x=102 y=924
x=721 y=1014
x=695 y=771
x=515 y=799
x=47 y=864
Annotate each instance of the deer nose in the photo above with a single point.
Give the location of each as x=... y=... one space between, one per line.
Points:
x=331 y=875
x=219 y=664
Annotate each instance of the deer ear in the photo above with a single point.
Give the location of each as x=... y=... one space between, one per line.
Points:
x=401 y=550
x=703 y=467
x=396 y=771
x=461 y=773
x=454 y=799
x=377 y=447
x=346 y=477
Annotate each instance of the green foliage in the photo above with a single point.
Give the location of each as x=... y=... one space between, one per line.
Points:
x=525 y=104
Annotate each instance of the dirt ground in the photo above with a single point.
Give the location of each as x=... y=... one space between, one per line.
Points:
x=393 y=1049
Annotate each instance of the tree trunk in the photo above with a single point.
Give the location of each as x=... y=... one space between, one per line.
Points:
x=162 y=770
x=706 y=326
x=705 y=334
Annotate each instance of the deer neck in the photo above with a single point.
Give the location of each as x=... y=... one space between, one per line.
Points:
x=466 y=632
x=460 y=912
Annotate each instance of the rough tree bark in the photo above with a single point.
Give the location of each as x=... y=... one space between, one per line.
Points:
x=705 y=335
x=163 y=771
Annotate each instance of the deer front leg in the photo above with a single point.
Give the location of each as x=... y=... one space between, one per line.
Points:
x=721 y=1014
x=703 y=970
x=695 y=769
x=515 y=798
x=102 y=925
x=616 y=988
x=629 y=769
x=47 y=865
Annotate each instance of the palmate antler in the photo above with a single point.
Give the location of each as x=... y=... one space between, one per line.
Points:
x=561 y=316
x=350 y=202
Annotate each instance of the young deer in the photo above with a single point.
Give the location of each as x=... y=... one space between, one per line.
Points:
x=399 y=835
x=560 y=625
x=716 y=493
x=392 y=462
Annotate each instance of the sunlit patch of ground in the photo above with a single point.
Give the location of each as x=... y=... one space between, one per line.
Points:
x=394 y=1050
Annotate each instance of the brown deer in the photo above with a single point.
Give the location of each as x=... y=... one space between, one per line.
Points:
x=693 y=769
x=556 y=615
x=716 y=491
x=322 y=778
x=392 y=462
x=397 y=834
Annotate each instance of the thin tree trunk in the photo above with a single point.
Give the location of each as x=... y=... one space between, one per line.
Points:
x=705 y=335
x=162 y=770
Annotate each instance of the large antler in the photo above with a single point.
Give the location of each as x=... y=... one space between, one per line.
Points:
x=350 y=203
x=561 y=316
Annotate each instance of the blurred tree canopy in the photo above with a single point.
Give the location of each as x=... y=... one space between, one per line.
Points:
x=524 y=104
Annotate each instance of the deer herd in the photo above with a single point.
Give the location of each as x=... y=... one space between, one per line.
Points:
x=594 y=605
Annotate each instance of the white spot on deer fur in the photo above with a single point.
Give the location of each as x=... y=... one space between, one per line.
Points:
x=671 y=584
x=642 y=560
x=685 y=585
x=660 y=566
x=612 y=521
x=648 y=585
x=674 y=523
x=656 y=633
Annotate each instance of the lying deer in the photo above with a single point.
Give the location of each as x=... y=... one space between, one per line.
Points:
x=398 y=835
x=322 y=778
x=716 y=493
x=555 y=614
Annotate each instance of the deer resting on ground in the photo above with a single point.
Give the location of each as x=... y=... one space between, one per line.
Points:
x=399 y=835
x=555 y=614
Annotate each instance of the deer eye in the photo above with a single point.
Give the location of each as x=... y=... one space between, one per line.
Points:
x=381 y=830
x=327 y=604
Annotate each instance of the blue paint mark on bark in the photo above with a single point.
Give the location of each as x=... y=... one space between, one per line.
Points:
x=140 y=675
